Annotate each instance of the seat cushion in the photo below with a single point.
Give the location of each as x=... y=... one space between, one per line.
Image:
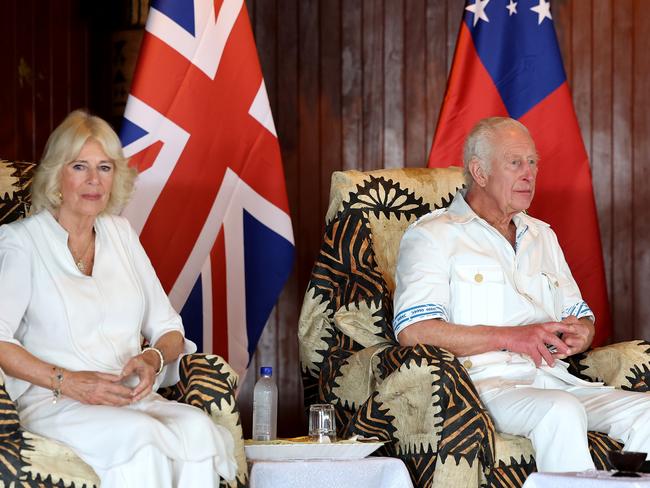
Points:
x=45 y=457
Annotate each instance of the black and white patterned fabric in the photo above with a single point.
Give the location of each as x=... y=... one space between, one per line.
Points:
x=419 y=399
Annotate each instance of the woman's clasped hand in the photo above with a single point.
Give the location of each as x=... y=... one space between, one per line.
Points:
x=94 y=388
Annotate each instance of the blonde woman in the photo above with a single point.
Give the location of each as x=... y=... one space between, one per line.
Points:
x=77 y=292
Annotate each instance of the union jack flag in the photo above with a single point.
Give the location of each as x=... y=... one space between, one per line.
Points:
x=210 y=203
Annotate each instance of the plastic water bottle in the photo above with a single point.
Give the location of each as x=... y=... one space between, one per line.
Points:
x=265 y=406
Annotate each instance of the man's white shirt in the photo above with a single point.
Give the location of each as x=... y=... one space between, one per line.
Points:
x=454 y=266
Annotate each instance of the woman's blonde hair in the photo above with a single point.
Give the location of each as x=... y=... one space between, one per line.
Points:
x=64 y=145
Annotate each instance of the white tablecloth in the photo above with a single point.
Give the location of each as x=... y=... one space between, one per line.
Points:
x=587 y=479
x=371 y=472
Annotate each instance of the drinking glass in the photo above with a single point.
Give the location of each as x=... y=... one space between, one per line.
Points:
x=322 y=423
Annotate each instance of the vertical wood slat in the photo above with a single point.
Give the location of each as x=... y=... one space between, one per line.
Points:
x=436 y=70
x=601 y=130
x=641 y=165
x=351 y=84
x=61 y=60
x=9 y=82
x=415 y=86
x=373 y=85
x=581 y=48
x=26 y=141
x=308 y=236
x=622 y=185
x=562 y=18
x=455 y=12
x=395 y=72
x=330 y=37
x=79 y=63
x=43 y=27
x=308 y=130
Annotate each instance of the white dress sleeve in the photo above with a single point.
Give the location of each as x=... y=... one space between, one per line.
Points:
x=15 y=283
x=159 y=315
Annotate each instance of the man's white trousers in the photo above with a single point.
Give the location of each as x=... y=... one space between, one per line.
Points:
x=556 y=416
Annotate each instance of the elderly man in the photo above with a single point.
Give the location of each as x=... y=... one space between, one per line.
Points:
x=490 y=284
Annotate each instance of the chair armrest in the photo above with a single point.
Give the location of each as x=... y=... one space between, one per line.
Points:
x=208 y=382
x=624 y=365
x=427 y=408
x=9 y=421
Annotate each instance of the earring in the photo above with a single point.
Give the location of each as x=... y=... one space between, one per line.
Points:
x=60 y=195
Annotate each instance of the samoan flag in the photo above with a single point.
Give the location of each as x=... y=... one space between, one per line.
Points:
x=508 y=63
x=210 y=203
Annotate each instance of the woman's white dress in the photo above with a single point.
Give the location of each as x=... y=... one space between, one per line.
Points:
x=95 y=323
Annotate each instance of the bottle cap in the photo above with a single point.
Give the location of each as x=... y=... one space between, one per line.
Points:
x=266 y=371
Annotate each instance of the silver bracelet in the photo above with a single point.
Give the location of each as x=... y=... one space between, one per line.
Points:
x=160 y=355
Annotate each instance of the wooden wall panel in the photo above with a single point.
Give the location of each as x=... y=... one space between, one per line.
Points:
x=60 y=96
x=287 y=121
x=581 y=89
x=415 y=89
x=601 y=129
x=27 y=70
x=398 y=53
x=622 y=184
x=330 y=108
x=641 y=171
x=9 y=127
x=41 y=79
x=44 y=61
x=351 y=82
x=437 y=54
x=396 y=65
x=357 y=84
x=372 y=96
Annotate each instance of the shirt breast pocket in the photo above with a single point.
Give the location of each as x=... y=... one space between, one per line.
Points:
x=550 y=293
x=477 y=295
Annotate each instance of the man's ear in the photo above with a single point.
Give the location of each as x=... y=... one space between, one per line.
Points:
x=476 y=169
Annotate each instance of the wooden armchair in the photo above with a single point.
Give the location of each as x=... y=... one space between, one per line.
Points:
x=419 y=399
x=29 y=460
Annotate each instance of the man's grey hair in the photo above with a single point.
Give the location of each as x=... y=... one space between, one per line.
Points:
x=480 y=142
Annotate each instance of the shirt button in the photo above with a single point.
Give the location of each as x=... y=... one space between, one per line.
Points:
x=467 y=364
x=478 y=277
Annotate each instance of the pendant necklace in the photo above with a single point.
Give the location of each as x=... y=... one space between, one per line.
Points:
x=80 y=261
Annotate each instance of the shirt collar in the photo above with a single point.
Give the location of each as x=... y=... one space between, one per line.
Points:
x=460 y=212
x=57 y=229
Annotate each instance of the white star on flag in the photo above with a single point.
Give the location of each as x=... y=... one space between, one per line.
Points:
x=543 y=11
x=512 y=7
x=478 y=9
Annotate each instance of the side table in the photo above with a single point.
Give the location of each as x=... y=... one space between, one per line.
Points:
x=370 y=472
x=585 y=479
